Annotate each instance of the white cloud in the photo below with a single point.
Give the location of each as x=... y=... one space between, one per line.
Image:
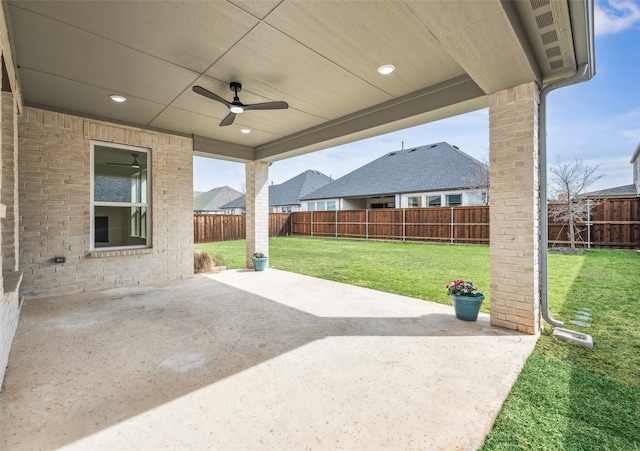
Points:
x=613 y=16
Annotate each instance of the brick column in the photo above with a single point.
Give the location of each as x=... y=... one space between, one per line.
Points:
x=257 y=207
x=515 y=221
x=9 y=193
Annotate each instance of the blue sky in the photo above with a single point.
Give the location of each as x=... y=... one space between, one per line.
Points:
x=597 y=121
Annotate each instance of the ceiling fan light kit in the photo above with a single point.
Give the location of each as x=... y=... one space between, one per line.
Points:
x=134 y=164
x=236 y=106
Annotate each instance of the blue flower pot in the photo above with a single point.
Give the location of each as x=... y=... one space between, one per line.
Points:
x=259 y=263
x=467 y=307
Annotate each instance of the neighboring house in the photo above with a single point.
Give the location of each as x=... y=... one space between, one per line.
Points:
x=211 y=202
x=429 y=176
x=617 y=191
x=285 y=197
x=624 y=190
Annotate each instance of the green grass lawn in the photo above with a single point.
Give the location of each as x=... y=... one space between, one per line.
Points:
x=567 y=397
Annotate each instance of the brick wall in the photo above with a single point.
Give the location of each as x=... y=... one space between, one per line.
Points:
x=55 y=207
x=514 y=215
x=9 y=182
x=9 y=278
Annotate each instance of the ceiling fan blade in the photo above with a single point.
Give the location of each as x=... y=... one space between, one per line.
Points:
x=228 y=120
x=203 y=92
x=268 y=106
x=140 y=166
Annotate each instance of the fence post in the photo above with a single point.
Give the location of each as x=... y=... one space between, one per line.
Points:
x=366 y=224
x=312 y=223
x=336 y=223
x=452 y=224
x=588 y=223
x=404 y=224
x=222 y=229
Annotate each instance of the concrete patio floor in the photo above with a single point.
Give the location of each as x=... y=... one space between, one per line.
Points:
x=253 y=360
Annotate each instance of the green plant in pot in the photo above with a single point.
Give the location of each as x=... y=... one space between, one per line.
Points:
x=259 y=260
x=466 y=299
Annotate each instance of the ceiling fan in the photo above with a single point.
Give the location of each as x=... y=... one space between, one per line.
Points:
x=236 y=107
x=134 y=164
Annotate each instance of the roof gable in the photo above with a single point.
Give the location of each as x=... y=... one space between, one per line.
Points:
x=215 y=198
x=289 y=192
x=432 y=167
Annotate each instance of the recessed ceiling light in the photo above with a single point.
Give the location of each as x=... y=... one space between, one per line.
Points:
x=118 y=98
x=245 y=130
x=386 y=69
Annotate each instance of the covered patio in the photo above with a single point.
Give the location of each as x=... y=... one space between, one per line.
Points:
x=254 y=360
x=117 y=341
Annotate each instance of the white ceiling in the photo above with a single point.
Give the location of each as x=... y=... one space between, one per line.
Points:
x=320 y=57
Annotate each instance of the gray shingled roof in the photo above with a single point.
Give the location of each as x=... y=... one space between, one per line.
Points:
x=434 y=167
x=289 y=192
x=214 y=199
x=625 y=190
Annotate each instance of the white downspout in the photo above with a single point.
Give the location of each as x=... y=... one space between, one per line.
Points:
x=563 y=334
x=544 y=218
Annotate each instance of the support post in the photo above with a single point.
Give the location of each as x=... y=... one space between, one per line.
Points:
x=257 y=207
x=515 y=219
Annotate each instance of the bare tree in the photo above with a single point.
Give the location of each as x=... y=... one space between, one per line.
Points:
x=478 y=182
x=568 y=182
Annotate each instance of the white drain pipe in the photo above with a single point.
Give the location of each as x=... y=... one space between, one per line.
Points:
x=563 y=334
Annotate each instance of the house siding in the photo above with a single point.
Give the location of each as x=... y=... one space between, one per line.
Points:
x=55 y=207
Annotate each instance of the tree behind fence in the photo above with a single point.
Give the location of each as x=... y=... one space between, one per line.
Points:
x=614 y=223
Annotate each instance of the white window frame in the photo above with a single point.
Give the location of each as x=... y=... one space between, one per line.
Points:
x=418 y=197
x=147 y=204
x=446 y=199
x=430 y=197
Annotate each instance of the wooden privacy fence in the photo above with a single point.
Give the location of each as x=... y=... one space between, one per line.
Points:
x=613 y=223
x=448 y=225
x=211 y=228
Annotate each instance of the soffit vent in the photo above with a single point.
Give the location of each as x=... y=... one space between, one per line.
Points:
x=548 y=38
x=558 y=64
x=544 y=20
x=535 y=4
x=547 y=22
x=553 y=52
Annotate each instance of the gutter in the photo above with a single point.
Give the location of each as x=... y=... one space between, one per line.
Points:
x=583 y=74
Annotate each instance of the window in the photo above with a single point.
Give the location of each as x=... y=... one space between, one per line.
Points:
x=477 y=198
x=320 y=206
x=120 y=205
x=453 y=200
x=311 y=206
x=384 y=205
x=414 y=201
x=434 y=201
x=331 y=205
